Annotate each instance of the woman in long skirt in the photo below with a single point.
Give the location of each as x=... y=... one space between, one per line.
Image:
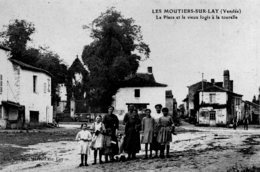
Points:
x=132 y=135
x=111 y=123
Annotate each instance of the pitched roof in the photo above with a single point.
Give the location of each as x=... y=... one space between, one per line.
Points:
x=215 y=88
x=29 y=67
x=141 y=80
x=4 y=48
x=251 y=103
x=77 y=66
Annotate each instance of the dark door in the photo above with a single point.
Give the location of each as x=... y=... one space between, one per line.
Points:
x=34 y=116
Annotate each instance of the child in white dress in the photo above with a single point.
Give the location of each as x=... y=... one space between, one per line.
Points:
x=98 y=138
x=84 y=137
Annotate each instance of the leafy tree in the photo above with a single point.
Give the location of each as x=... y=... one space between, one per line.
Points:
x=114 y=54
x=16 y=36
x=51 y=62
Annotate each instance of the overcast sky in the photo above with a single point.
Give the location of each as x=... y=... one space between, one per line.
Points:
x=180 y=49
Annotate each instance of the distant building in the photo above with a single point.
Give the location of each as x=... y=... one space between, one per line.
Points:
x=25 y=93
x=218 y=106
x=213 y=103
x=62 y=92
x=251 y=110
x=144 y=92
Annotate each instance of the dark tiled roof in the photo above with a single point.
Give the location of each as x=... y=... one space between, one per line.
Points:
x=29 y=67
x=215 y=88
x=77 y=65
x=251 y=103
x=4 y=48
x=141 y=80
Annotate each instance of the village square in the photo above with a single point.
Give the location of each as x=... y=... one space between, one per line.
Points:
x=104 y=89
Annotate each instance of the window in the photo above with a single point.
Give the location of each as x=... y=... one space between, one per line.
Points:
x=237 y=101
x=49 y=85
x=212 y=98
x=212 y=115
x=137 y=92
x=34 y=83
x=45 y=87
x=1 y=84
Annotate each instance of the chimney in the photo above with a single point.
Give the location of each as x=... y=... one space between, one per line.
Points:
x=213 y=81
x=150 y=70
x=231 y=85
x=226 y=79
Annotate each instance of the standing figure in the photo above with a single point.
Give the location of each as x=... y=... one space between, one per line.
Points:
x=246 y=122
x=164 y=137
x=148 y=124
x=235 y=122
x=84 y=137
x=98 y=138
x=155 y=145
x=132 y=136
x=111 y=123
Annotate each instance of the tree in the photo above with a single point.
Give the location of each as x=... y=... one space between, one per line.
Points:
x=114 y=54
x=16 y=36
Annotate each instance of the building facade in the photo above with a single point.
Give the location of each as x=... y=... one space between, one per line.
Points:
x=144 y=92
x=252 y=111
x=25 y=93
x=213 y=103
x=218 y=106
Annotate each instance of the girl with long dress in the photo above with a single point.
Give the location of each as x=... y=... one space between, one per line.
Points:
x=148 y=124
x=98 y=138
x=158 y=114
x=132 y=136
x=164 y=137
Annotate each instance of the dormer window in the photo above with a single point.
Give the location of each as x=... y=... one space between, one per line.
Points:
x=1 y=84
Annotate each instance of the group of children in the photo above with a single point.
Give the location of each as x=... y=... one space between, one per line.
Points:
x=156 y=132
x=94 y=139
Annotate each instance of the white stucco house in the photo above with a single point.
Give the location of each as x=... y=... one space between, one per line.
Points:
x=218 y=106
x=25 y=93
x=143 y=91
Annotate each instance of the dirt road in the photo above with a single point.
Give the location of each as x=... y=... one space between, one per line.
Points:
x=197 y=149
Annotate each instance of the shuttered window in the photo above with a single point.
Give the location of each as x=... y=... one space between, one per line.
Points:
x=45 y=87
x=49 y=85
x=1 y=84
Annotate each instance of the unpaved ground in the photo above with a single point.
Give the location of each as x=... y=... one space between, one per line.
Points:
x=198 y=149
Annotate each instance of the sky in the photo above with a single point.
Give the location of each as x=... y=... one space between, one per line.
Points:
x=181 y=50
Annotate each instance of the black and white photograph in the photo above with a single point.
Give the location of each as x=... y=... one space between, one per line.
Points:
x=128 y=85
